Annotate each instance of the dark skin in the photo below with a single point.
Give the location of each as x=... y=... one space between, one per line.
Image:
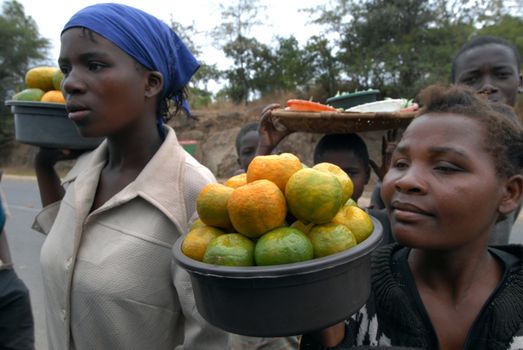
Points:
x=248 y=146
x=107 y=94
x=428 y=193
x=491 y=70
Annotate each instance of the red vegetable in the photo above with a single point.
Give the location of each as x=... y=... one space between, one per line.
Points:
x=308 y=106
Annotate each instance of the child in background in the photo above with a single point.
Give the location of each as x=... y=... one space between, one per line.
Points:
x=246 y=144
x=456 y=171
x=16 y=317
x=107 y=265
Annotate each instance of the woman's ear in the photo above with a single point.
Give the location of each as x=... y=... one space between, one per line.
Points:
x=154 y=84
x=513 y=195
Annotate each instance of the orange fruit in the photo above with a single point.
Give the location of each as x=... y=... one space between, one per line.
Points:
x=351 y=202
x=236 y=180
x=211 y=205
x=357 y=220
x=197 y=223
x=256 y=208
x=277 y=168
x=195 y=243
x=305 y=228
x=58 y=77
x=40 y=78
x=29 y=95
x=283 y=245
x=314 y=196
x=54 y=96
x=230 y=249
x=330 y=239
x=343 y=178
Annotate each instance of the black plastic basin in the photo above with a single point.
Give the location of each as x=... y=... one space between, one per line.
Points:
x=283 y=300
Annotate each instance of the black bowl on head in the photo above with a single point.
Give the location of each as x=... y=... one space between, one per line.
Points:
x=46 y=124
x=282 y=300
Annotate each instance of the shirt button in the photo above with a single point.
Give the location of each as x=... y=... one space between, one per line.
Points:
x=68 y=263
x=63 y=315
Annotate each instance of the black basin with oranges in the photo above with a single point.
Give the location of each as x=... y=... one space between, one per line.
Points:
x=46 y=124
x=283 y=300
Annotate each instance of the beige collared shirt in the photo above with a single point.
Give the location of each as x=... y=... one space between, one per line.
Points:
x=108 y=275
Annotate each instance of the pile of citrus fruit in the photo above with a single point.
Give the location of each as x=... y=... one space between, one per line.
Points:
x=278 y=212
x=42 y=84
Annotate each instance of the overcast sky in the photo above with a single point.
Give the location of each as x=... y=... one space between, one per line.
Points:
x=282 y=17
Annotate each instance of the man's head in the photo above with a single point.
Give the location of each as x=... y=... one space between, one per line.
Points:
x=491 y=66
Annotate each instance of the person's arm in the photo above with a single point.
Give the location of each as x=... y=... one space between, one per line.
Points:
x=270 y=135
x=328 y=338
x=49 y=183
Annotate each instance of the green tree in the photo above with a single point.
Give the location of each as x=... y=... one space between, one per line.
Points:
x=233 y=37
x=400 y=46
x=507 y=27
x=22 y=47
x=199 y=93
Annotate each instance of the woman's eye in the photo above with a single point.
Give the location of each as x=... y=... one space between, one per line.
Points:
x=447 y=168
x=95 y=66
x=400 y=164
x=65 y=69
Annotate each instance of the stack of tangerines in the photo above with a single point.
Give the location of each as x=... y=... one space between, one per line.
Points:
x=245 y=221
x=42 y=84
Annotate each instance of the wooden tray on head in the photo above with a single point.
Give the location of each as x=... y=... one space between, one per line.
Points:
x=340 y=122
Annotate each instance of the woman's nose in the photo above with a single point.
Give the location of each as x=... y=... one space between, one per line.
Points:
x=72 y=83
x=411 y=181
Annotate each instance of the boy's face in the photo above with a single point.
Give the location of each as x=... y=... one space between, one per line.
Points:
x=491 y=70
x=442 y=190
x=248 y=145
x=352 y=165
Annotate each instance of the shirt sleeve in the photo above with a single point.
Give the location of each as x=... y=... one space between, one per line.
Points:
x=44 y=220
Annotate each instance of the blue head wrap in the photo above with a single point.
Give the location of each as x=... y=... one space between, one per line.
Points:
x=144 y=37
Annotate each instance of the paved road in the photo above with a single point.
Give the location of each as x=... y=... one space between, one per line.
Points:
x=24 y=203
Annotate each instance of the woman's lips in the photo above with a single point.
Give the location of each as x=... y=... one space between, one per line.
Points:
x=408 y=212
x=78 y=115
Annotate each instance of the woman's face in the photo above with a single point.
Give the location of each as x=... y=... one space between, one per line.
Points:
x=491 y=70
x=104 y=87
x=442 y=190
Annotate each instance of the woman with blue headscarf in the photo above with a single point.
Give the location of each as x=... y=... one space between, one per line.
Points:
x=111 y=222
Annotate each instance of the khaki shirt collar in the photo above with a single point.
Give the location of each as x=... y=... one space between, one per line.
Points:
x=160 y=183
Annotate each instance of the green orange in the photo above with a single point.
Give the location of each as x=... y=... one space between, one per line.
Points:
x=330 y=239
x=314 y=196
x=357 y=220
x=342 y=176
x=195 y=243
x=211 y=205
x=40 y=78
x=230 y=249
x=283 y=245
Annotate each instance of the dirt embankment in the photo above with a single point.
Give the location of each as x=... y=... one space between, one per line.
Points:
x=215 y=130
